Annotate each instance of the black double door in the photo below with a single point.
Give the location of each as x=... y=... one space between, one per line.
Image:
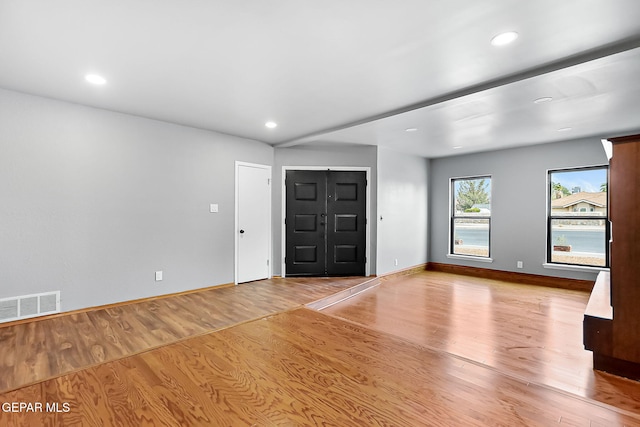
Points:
x=325 y=223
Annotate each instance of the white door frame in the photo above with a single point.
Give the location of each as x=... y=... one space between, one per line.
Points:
x=237 y=219
x=366 y=169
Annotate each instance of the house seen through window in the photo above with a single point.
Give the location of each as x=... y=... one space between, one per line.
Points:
x=471 y=216
x=577 y=231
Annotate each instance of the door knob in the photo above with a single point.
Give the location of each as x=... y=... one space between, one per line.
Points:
x=241 y=231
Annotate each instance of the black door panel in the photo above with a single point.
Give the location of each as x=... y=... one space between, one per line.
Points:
x=305 y=223
x=325 y=223
x=346 y=213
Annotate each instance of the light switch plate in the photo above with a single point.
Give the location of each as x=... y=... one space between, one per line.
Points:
x=213 y=207
x=158 y=276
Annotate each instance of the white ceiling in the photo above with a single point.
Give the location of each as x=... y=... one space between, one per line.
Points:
x=333 y=72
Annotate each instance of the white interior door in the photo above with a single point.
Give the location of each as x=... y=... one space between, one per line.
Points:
x=253 y=222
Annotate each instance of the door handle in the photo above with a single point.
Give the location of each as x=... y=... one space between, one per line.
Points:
x=241 y=231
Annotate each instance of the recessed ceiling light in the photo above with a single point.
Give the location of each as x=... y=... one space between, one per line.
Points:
x=95 y=79
x=543 y=100
x=504 y=38
x=411 y=129
x=564 y=129
x=271 y=125
x=457 y=147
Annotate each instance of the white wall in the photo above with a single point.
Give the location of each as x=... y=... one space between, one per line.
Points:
x=402 y=210
x=92 y=202
x=518 y=205
x=322 y=156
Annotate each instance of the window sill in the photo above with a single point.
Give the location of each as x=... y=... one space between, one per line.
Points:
x=570 y=267
x=470 y=258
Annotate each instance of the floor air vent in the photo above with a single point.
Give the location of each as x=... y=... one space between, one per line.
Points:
x=26 y=306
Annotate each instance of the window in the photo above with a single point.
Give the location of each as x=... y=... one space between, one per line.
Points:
x=577 y=232
x=470 y=216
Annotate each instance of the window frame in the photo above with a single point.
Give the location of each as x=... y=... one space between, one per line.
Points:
x=453 y=216
x=551 y=218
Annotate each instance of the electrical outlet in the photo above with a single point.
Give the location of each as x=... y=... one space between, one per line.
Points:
x=158 y=276
x=520 y=264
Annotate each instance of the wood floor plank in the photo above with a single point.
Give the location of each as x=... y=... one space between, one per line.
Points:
x=343 y=344
x=30 y=364
x=303 y=367
x=8 y=417
x=347 y=386
x=430 y=349
x=105 y=330
x=527 y=331
x=44 y=348
x=186 y=388
x=8 y=356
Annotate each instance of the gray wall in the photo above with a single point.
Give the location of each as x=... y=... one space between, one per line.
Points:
x=321 y=156
x=92 y=202
x=402 y=204
x=518 y=224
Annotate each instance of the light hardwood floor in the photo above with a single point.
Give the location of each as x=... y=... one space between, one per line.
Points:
x=44 y=348
x=532 y=333
x=429 y=349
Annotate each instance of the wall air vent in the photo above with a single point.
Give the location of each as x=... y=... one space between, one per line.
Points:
x=25 y=306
